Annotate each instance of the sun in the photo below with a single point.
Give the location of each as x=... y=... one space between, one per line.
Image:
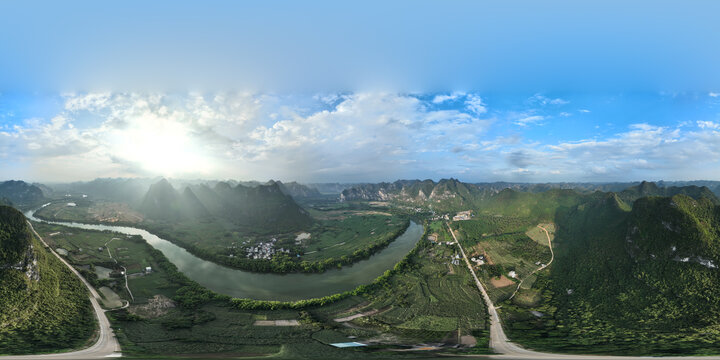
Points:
x=163 y=147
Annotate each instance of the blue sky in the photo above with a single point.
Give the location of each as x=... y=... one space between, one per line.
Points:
x=360 y=91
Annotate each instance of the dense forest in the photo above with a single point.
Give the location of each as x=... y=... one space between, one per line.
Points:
x=629 y=281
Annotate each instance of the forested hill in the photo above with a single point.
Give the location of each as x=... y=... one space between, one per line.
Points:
x=445 y=194
x=162 y=201
x=645 y=189
x=646 y=278
x=130 y=191
x=260 y=205
x=43 y=306
x=453 y=195
x=296 y=190
x=21 y=193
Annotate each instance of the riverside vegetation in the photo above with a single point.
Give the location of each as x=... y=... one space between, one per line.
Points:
x=209 y=223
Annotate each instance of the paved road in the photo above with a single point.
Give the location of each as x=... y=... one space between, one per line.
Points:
x=106 y=344
x=507 y=350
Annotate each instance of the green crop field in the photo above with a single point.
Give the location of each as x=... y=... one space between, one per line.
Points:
x=59 y=210
x=431 y=301
x=131 y=252
x=337 y=238
x=508 y=247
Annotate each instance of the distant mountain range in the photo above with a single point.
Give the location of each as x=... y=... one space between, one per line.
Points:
x=245 y=205
x=453 y=194
x=20 y=193
x=132 y=190
x=645 y=189
x=297 y=190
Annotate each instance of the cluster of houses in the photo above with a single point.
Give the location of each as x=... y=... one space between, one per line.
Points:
x=440 y=217
x=264 y=250
x=434 y=238
x=456 y=259
x=463 y=215
x=479 y=260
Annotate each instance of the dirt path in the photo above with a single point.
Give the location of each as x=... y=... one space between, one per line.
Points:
x=353 y=317
x=124 y=269
x=552 y=257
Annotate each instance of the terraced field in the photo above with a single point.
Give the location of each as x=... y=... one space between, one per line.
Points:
x=431 y=302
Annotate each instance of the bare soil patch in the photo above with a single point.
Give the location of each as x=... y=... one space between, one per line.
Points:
x=353 y=317
x=501 y=282
x=468 y=340
x=379 y=203
x=110 y=299
x=276 y=323
x=157 y=306
x=114 y=212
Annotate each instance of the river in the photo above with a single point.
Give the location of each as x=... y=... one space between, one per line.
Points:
x=284 y=287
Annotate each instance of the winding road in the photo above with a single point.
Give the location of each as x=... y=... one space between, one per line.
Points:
x=506 y=349
x=106 y=345
x=552 y=258
x=124 y=270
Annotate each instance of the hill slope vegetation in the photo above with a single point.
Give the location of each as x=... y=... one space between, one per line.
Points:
x=43 y=306
x=259 y=206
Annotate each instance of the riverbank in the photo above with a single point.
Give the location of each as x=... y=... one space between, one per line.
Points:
x=277 y=287
x=281 y=264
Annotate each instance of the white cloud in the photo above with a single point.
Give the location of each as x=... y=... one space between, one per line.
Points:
x=247 y=136
x=528 y=120
x=713 y=94
x=544 y=100
x=584 y=111
x=475 y=104
x=90 y=102
x=441 y=98
x=708 y=125
x=335 y=137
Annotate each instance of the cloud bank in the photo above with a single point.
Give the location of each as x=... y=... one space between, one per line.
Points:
x=370 y=136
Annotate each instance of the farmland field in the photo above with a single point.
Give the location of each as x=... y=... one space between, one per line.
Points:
x=508 y=246
x=336 y=238
x=430 y=301
x=131 y=252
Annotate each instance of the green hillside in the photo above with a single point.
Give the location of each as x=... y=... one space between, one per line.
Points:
x=43 y=306
x=537 y=206
x=640 y=281
x=163 y=202
x=21 y=193
x=645 y=189
x=259 y=207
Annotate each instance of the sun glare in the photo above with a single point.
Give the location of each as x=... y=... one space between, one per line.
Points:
x=162 y=147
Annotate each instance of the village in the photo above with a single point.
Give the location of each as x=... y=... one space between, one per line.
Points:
x=264 y=250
